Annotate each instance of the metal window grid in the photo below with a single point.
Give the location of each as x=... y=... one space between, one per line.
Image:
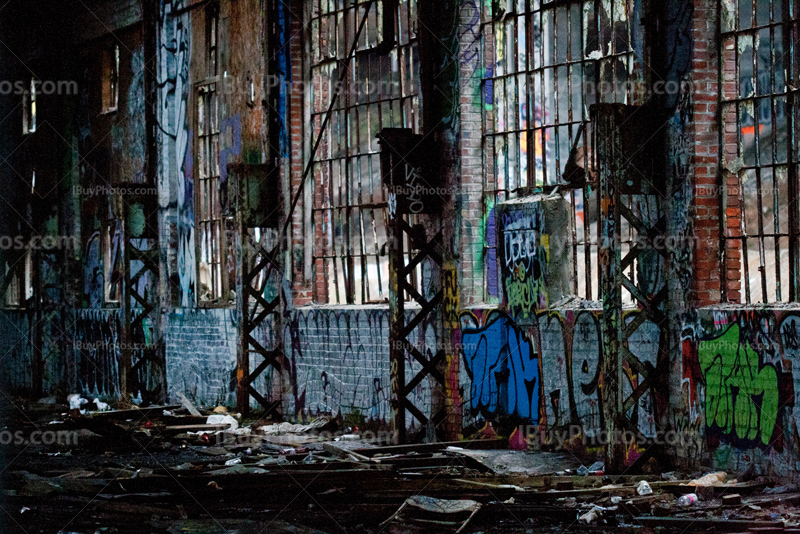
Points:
x=546 y=63
x=350 y=204
x=759 y=119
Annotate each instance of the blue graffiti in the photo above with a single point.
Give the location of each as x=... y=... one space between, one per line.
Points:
x=504 y=369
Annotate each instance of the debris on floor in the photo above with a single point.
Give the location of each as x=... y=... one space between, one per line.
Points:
x=171 y=469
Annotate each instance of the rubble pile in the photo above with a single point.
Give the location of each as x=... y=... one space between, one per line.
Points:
x=168 y=470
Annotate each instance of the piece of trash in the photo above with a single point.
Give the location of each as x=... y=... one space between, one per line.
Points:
x=449 y=513
x=221 y=409
x=685 y=501
x=167 y=412
x=590 y=516
x=670 y=476
x=47 y=400
x=24 y=509
x=233 y=461
x=218 y=419
x=510 y=500
x=101 y=406
x=596 y=469
x=213 y=485
x=616 y=499
x=75 y=402
x=712 y=479
x=644 y=488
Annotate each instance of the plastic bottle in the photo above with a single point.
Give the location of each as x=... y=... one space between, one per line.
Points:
x=687 y=500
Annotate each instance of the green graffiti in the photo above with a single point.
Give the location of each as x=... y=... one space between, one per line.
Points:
x=741 y=395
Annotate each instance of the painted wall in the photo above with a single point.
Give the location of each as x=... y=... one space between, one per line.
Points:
x=739 y=382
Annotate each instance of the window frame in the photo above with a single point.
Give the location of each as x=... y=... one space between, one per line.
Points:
x=220 y=289
x=543 y=54
x=738 y=162
x=349 y=274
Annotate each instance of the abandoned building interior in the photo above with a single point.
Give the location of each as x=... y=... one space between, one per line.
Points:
x=457 y=221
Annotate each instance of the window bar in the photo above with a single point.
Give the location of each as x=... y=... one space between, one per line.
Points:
x=789 y=38
x=776 y=241
x=757 y=155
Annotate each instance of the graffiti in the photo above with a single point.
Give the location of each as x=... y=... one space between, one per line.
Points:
x=571 y=355
x=450 y=300
x=524 y=249
x=470 y=38
x=741 y=391
x=338 y=362
x=503 y=367
x=175 y=146
x=791 y=334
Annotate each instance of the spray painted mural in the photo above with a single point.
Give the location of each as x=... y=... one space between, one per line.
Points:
x=503 y=368
x=739 y=384
x=176 y=162
x=550 y=374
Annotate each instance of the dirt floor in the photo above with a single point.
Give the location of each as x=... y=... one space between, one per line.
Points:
x=162 y=470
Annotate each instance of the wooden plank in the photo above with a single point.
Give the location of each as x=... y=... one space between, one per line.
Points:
x=484 y=444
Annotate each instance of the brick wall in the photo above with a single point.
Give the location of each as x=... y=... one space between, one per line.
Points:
x=707 y=267
x=470 y=152
x=301 y=293
x=201 y=355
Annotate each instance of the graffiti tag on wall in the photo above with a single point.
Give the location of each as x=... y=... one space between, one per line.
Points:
x=503 y=367
x=524 y=253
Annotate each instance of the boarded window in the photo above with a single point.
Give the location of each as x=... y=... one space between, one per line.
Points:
x=380 y=91
x=760 y=113
x=545 y=64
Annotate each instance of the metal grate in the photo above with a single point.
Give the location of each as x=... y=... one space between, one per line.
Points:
x=758 y=125
x=546 y=63
x=350 y=259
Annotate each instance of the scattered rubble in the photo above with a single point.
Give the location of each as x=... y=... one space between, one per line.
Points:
x=143 y=461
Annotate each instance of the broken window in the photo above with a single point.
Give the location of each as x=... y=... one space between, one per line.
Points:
x=380 y=91
x=19 y=280
x=110 y=91
x=29 y=108
x=209 y=212
x=112 y=262
x=209 y=218
x=760 y=113
x=545 y=64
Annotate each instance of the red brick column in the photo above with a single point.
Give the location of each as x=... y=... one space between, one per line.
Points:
x=301 y=289
x=707 y=193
